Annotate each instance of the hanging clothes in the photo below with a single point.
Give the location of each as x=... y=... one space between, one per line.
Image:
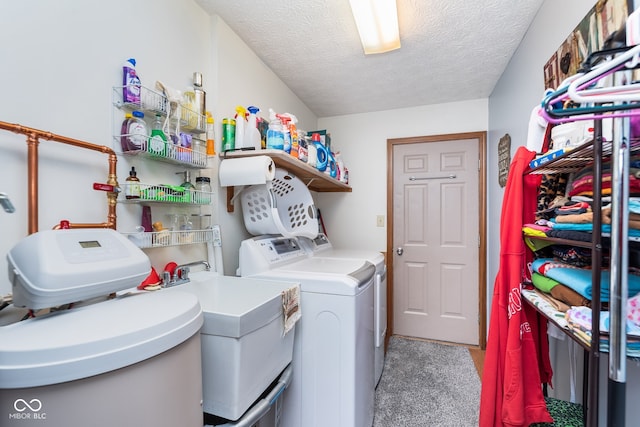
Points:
x=517 y=358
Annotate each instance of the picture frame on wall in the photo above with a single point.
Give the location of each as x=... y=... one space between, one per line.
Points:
x=591 y=34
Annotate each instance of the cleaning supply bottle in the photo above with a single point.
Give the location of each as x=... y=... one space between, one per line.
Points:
x=211 y=142
x=134 y=132
x=132 y=187
x=286 y=134
x=200 y=101
x=187 y=185
x=228 y=134
x=312 y=148
x=302 y=146
x=131 y=86
x=240 y=125
x=158 y=140
x=252 y=134
x=275 y=137
x=340 y=165
x=293 y=130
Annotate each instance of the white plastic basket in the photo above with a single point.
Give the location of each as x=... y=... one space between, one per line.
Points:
x=283 y=206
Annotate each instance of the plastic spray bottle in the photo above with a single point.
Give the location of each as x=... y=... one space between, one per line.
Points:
x=293 y=130
x=241 y=121
x=131 y=86
x=285 y=132
x=252 y=134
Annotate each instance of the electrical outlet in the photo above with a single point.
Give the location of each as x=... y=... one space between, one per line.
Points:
x=380 y=221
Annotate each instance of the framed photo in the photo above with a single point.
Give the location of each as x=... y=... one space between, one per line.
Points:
x=606 y=17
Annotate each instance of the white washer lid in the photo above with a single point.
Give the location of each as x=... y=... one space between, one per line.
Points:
x=325 y=275
x=375 y=258
x=94 y=339
x=235 y=306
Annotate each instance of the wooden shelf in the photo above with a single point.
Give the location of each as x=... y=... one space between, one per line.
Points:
x=313 y=178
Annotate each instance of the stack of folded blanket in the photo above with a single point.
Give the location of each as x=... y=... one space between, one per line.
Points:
x=577 y=280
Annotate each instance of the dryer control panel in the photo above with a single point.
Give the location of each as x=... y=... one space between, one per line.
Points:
x=264 y=253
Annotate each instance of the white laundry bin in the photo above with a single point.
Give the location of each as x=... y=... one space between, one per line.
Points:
x=129 y=361
x=244 y=345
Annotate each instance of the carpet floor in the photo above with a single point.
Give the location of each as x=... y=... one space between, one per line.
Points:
x=427 y=384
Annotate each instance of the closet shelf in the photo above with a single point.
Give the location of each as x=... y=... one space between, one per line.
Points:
x=313 y=178
x=557 y=318
x=576 y=159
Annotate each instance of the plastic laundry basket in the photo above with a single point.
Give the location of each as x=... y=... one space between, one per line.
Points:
x=283 y=206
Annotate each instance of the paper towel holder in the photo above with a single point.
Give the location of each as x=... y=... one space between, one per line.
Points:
x=232 y=196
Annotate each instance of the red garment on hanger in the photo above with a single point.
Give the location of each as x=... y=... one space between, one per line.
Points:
x=514 y=367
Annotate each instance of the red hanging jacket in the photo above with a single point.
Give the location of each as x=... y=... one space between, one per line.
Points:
x=511 y=380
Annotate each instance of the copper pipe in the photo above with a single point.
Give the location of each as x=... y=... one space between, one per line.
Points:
x=33 y=137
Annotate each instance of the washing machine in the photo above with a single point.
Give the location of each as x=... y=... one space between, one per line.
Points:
x=322 y=247
x=131 y=360
x=333 y=354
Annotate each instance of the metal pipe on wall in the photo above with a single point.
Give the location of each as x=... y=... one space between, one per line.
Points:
x=33 y=139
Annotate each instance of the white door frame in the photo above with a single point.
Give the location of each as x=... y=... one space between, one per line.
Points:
x=482 y=206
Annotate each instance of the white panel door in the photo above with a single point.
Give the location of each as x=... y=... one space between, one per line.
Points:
x=436 y=240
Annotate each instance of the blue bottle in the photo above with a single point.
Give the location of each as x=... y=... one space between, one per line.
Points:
x=275 y=136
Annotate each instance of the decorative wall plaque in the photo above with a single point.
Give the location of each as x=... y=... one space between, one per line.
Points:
x=504 y=159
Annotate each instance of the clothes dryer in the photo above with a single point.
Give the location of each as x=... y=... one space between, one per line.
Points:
x=333 y=381
x=322 y=247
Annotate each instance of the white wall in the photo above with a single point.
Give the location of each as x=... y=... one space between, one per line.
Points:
x=519 y=89
x=60 y=62
x=245 y=80
x=350 y=218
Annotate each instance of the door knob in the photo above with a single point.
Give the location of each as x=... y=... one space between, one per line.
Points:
x=399 y=251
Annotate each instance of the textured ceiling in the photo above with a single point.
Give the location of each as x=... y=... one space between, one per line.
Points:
x=452 y=50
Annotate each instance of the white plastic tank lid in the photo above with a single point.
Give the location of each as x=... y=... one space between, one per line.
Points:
x=235 y=306
x=95 y=339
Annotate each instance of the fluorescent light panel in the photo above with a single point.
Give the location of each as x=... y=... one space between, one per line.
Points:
x=377 y=22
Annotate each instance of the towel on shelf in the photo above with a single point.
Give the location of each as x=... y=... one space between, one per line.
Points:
x=291 y=307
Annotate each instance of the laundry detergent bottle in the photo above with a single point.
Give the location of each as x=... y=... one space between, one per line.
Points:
x=131 y=86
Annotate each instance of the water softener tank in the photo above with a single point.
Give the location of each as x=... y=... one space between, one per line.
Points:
x=132 y=360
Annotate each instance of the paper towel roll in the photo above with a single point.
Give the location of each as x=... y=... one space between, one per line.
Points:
x=246 y=171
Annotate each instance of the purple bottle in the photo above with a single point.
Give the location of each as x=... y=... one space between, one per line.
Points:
x=130 y=82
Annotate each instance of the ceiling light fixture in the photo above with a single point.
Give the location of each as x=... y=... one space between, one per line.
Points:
x=377 y=22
